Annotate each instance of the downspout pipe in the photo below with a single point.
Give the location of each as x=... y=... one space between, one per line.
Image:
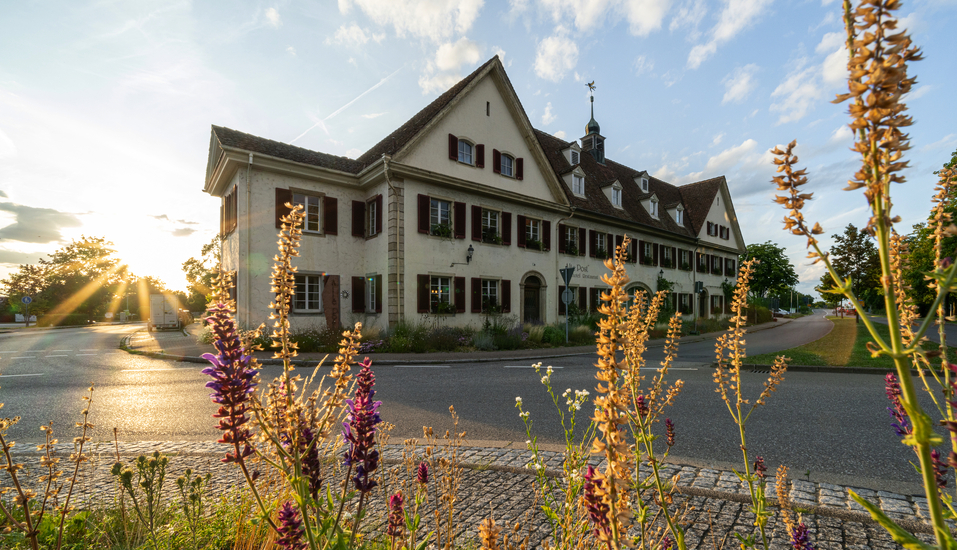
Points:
x=558 y=275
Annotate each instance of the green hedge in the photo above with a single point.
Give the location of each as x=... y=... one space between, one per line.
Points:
x=62 y=319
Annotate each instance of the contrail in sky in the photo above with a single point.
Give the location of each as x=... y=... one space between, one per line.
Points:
x=346 y=106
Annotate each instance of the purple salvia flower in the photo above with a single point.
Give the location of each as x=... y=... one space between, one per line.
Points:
x=893 y=389
x=311 y=463
x=760 y=469
x=642 y=406
x=396 y=516
x=422 y=473
x=233 y=382
x=290 y=528
x=597 y=509
x=940 y=469
x=667 y=543
x=799 y=538
x=670 y=431
x=359 y=429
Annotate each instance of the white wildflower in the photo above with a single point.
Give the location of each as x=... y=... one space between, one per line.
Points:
x=518 y=400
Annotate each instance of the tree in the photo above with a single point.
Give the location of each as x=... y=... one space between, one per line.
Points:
x=200 y=274
x=774 y=274
x=853 y=255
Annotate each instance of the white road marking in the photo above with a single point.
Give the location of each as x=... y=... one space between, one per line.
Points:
x=15 y=375
x=152 y=370
x=26 y=357
x=422 y=366
x=56 y=350
x=525 y=367
x=670 y=368
x=89 y=350
x=48 y=356
x=86 y=354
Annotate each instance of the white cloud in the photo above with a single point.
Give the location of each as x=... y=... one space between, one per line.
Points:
x=560 y=134
x=947 y=142
x=290 y=50
x=717 y=139
x=547 y=116
x=689 y=16
x=434 y=20
x=729 y=157
x=645 y=16
x=372 y=115
x=345 y=6
x=354 y=153
x=739 y=83
x=451 y=56
x=915 y=93
x=501 y=55
x=353 y=36
x=797 y=93
x=556 y=55
x=830 y=42
x=437 y=82
x=36 y=225
x=735 y=17
x=272 y=15
x=840 y=134
x=643 y=65
x=834 y=68
x=7 y=148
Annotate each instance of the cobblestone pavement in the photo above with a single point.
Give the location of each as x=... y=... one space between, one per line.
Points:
x=500 y=481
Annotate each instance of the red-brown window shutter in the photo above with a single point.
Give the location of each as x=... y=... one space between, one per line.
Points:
x=378 y=214
x=619 y=239
x=458 y=224
x=496 y=161
x=480 y=155
x=453 y=147
x=520 y=230
x=330 y=214
x=476 y=223
x=422 y=293
x=592 y=242
x=641 y=251
x=424 y=204
x=674 y=257
x=561 y=303
x=506 y=290
x=459 y=294
x=561 y=237
x=282 y=197
x=476 y=295
x=547 y=234
x=378 y=294
x=582 y=297
x=358 y=295
x=506 y=228
x=633 y=255
x=358 y=219
x=657 y=247
x=581 y=241
x=519 y=168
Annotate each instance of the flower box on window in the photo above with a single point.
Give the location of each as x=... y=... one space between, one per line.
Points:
x=441 y=230
x=533 y=244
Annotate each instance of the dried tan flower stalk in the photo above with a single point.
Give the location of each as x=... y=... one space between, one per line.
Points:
x=283 y=283
x=784 y=501
x=488 y=533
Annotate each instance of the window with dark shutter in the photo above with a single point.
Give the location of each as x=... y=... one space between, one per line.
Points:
x=561 y=303
x=453 y=147
x=330 y=214
x=422 y=283
x=496 y=161
x=582 y=233
x=459 y=292
x=506 y=287
x=592 y=242
x=619 y=239
x=641 y=251
x=476 y=223
x=458 y=220
x=283 y=196
x=423 y=214
x=480 y=155
x=633 y=255
x=506 y=228
x=378 y=294
x=358 y=219
x=546 y=235
x=358 y=295
x=521 y=231
x=519 y=168
x=378 y=214
x=582 y=301
x=561 y=238
x=657 y=249
x=476 y=295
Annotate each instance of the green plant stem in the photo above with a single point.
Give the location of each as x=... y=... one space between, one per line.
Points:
x=30 y=532
x=649 y=448
x=76 y=470
x=252 y=487
x=342 y=503
x=747 y=471
x=355 y=528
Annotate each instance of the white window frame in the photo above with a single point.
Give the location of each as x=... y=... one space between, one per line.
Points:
x=490 y=220
x=466 y=153
x=654 y=208
x=680 y=216
x=372 y=300
x=601 y=243
x=578 y=185
x=533 y=230
x=508 y=166
x=644 y=185
x=371 y=214
x=439 y=294
x=490 y=292
x=616 y=197
x=666 y=255
x=575 y=157
x=436 y=212
x=312 y=301
x=571 y=238
x=649 y=252
x=312 y=210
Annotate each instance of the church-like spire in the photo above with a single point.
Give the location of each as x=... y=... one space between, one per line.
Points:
x=593 y=142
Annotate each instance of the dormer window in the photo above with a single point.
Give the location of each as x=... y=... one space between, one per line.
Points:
x=654 y=207
x=507 y=163
x=616 y=197
x=465 y=152
x=575 y=157
x=578 y=185
x=643 y=182
x=680 y=215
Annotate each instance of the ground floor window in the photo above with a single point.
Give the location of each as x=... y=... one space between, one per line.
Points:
x=440 y=295
x=308 y=294
x=489 y=294
x=372 y=294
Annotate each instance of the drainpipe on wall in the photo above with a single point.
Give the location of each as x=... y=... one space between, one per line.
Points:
x=394 y=227
x=558 y=275
x=694 y=284
x=248 y=232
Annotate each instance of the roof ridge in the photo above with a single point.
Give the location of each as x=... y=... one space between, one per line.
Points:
x=284 y=144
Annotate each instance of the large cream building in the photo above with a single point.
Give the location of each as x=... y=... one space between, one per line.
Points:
x=463 y=207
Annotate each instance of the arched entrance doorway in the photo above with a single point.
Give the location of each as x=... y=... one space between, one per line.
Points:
x=533 y=292
x=704 y=311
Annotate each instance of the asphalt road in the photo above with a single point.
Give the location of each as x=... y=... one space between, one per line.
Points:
x=834 y=425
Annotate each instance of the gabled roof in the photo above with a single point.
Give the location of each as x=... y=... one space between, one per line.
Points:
x=698 y=198
x=232 y=138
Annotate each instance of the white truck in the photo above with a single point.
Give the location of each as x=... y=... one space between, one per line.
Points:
x=164 y=313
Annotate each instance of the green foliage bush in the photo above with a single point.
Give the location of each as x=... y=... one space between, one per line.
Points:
x=553 y=335
x=62 y=319
x=581 y=335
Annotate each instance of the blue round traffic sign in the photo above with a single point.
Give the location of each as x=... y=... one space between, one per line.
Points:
x=26 y=299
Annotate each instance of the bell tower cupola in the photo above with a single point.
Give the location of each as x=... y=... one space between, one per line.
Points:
x=593 y=142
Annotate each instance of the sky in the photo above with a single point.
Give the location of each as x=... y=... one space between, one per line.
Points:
x=106 y=107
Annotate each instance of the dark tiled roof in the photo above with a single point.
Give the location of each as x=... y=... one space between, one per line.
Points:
x=240 y=140
x=696 y=197
x=397 y=139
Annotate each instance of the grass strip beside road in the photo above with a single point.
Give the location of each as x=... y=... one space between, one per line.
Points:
x=844 y=346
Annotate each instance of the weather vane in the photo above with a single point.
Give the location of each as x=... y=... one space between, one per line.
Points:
x=591 y=86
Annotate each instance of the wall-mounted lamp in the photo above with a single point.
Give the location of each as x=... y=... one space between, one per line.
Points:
x=661 y=273
x=468 y=257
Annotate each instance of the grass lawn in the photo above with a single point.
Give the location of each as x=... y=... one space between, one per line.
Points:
x=845 y=345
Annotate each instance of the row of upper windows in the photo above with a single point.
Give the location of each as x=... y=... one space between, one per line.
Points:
x=720 y=231
x=466 y=152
